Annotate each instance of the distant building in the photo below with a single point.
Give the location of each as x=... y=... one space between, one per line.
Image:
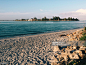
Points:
x=32 y=20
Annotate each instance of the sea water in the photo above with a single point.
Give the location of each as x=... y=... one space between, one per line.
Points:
x=19 y=28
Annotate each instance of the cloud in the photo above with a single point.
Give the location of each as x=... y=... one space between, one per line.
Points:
x=81 y=11
x=14 y=13
x=41 y=10
x=80 y=14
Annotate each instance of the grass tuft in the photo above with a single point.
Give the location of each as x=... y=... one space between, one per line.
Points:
x=83 y=38
x=84 y=35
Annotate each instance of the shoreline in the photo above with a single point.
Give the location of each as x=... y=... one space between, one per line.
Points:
x=51 y=32
x=34 y=49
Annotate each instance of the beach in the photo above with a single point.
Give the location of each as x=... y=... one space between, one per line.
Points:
x=31 y=50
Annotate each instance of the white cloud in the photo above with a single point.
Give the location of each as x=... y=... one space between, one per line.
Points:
x=41 y=10
x=80 y=14
x=14 y=13
x=82 y=11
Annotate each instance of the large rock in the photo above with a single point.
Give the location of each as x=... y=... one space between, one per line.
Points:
x=73 y=56
x=74 y=33
x=56 y=48
x=81 y=33
x=71 y=39
x=53 y=63
x=82 y=56
x=74 y=47
x=77 y=36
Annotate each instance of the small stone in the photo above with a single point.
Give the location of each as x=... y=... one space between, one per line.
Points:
x=22 y=54
x=62 y=35
x=71 y=39
x=77 y=36
x=74 y=33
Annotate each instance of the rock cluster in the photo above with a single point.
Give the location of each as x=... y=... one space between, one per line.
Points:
x=75 y=36
x=67 y=54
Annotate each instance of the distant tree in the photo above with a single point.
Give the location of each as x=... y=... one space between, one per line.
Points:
x=35 y=18
x=22 y=19
x=56 y=18
x=76 y=19
x=45 y=19
x=27 y=19
x=73 y=19
x=65 y=19
x=68 y=18
x=16 y=19
x=31 y=18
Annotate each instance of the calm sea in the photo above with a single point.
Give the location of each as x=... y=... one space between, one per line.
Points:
x=19 y=28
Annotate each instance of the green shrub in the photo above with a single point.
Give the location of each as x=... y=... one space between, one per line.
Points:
x=73 y=63
x=83 y=38
x=84 y=34
x=84 y=28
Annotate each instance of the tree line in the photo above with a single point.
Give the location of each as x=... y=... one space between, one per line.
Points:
x=55 y=18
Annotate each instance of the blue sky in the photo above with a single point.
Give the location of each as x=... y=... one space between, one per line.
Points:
x=18 y=9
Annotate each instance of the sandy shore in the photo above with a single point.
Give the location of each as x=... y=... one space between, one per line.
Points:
x=30 y=50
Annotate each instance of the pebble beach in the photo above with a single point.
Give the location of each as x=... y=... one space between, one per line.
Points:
x=31 y=50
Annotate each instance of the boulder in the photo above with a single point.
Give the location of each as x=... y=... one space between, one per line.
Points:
x=71 y=39
x=80 y=36
x=73 y=56
x=82 y=56
x=56 y=48
x=81 y=33
x=53 y=63
x=71 y=35
x=78 y=51
x=74 y=33
x=67 y=35
x=77 y=36
x=85 y=51
x=74 y=47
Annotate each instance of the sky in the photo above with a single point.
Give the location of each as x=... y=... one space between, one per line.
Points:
x=26 y=9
